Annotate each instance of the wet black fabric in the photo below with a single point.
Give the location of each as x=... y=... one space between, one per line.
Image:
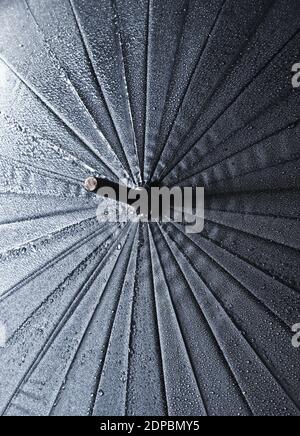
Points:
x=145 y=319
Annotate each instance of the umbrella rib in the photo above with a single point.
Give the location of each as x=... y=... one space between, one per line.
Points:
x=57 y=176
x=207 y=321
x=136 y=278
x=41 y=172
x=214 y=221
x=49 y=340
x=260 y=358
x=241 y=92
x=284 y=323
x=159 y=342
x=230 y=67
x=61 y=256
x=256 y=267
x=129 y=105
x=147 y=86
x=248 y=192
x=254 y=214
x=168 y=95
x=57 y=329
x=71 y=83
x=82 y=140
x=53 y=292
x=33 y=194
x=99 y=372
x=253 y=234
x=204 y=407
x=97 y=81
x=79 y=162
x=202 y=51
x=239 y=130
x=13 y=250
x=46 y=215
x=238 y=176
x=90 y=321
x=274 y=315
x=265 y=138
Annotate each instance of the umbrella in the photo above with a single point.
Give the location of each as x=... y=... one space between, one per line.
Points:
x=136 y=318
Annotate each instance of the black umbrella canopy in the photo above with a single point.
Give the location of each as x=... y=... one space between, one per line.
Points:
x=144 y=319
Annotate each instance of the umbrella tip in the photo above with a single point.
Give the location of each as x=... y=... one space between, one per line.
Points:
x=91 y=184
